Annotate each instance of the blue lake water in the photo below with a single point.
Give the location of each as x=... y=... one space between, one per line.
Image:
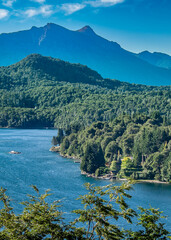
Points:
x=47 y=170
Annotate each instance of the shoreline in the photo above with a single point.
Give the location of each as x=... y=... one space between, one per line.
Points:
x=112 y=177
x=104 y=177
x=151 y=181
x=50 y=128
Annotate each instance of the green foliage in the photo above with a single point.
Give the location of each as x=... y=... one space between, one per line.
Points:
x=44 y=92
x=37 y=221
x=148 y=219
x=93 y=157
x=111 y=151
x=101 y=171
x=54 y=141
x=103 y=207
x=145 y=142
x=127 y=163
x=115 y=166
x=58 y=140
x=64 y=145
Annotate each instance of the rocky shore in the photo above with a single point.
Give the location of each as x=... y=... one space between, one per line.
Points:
x=55 y=149
x=151 y=181
x=104 y=177
x=108 y=176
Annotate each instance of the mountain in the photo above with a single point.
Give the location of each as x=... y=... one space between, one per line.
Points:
x=83 y=46
x=38 y=70
x=42 y=91
x=158 y=59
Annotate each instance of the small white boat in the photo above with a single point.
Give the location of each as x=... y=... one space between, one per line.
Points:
x=14 y=152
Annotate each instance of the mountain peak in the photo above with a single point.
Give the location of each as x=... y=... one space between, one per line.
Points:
x=87 y=30
x=145 y=52
x=53 y=26
x=34 y=28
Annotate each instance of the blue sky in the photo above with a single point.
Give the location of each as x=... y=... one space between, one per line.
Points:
x=136 y=25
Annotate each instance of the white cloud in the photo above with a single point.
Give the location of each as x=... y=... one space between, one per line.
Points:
x=8 y=3
x=3 y=13
x=39 y=1
x=31 y=12
x=48 y=10
x=104 y=3
x=70 y=8
x=45 y=10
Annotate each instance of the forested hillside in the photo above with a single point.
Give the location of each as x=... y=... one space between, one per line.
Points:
x=138 y=147
x=45 y=92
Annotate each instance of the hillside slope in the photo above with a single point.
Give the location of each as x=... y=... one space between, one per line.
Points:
x=138 y=147
x=42 y=92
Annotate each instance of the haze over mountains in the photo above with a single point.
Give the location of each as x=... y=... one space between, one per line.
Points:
x=86 y=47
x=158 y=59
x=37 y=70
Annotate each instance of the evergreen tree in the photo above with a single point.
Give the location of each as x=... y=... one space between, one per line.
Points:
x=93 y=157
x=54 y=141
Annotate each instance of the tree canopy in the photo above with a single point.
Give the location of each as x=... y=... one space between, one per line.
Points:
x=99 y=219
x=137 y=147
x=45 y=92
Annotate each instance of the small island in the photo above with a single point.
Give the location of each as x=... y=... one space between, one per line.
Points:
x=136 y=147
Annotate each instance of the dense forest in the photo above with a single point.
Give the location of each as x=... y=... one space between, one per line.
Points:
x=120 y=122
x=136 y=146
x=45 y=92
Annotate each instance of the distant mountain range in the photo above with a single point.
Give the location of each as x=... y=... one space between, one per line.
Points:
x=86 y=47
x=158 y=59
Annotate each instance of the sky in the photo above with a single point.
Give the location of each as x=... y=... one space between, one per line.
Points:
x=137 y=25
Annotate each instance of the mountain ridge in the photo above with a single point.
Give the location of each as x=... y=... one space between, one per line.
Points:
x=81 y=46
x=156 y=58
x=58 y=70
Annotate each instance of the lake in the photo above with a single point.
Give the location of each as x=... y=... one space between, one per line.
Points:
x=38 y=166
